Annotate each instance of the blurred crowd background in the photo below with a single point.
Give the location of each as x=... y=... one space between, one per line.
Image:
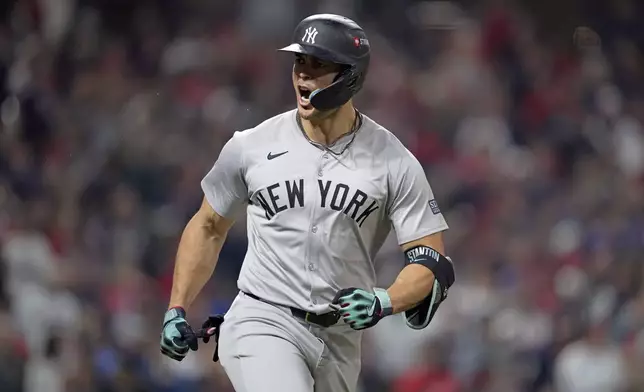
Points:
x=112 y=111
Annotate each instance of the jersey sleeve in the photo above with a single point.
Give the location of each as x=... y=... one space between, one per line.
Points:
x=224 y=186
x=413 y=211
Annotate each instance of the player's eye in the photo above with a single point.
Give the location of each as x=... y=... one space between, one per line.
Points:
x=315 y=64
x=300 y=60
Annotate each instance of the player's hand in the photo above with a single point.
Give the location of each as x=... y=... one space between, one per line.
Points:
x=362 y=309
x=210 y=328
x=177 y=336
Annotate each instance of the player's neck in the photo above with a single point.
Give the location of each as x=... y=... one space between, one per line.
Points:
x=328 y=130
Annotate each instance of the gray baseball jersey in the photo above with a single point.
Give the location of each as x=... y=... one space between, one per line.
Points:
x=316 y=219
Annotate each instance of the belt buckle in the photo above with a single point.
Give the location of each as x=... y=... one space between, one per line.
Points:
x=307 y=318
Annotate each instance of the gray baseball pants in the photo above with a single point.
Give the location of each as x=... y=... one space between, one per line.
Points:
x=264 y=348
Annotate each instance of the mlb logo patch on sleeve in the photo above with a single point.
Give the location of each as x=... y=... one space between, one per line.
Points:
x=434 y=206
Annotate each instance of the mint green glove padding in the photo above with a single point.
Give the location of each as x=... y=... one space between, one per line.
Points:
x=177 y=337
x=362 y=309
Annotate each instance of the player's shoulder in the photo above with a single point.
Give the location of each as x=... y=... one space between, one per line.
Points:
x=266 y=130
x=383 y=140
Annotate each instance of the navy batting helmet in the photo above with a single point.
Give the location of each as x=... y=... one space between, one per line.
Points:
x=339 y=40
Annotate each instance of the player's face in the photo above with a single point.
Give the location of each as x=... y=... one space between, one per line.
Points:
x=310 y=74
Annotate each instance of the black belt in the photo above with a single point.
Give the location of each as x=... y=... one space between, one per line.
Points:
x=323 y=320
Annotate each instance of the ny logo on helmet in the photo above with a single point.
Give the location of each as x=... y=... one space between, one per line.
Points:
x=309 y=35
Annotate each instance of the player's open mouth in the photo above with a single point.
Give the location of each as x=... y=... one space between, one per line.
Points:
x=304 y=95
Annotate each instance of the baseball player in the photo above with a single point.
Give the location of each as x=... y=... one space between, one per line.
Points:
x=322 y=185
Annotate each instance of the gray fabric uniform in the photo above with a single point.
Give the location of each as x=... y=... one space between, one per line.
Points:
x=315 y=222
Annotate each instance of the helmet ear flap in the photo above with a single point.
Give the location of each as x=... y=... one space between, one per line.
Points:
x=345 y=69
x=336 y=94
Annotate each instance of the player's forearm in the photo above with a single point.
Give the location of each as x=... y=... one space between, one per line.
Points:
x=196 y=260
x=412 y=286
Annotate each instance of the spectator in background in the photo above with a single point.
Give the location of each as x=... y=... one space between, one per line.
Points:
x=432 y=373
x=591 y=364
x=13 y=354
x=47 y=371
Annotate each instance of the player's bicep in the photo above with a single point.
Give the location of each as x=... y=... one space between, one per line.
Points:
x=413 y=210
x=212 y=222
x=224 y=186
x=434 y=241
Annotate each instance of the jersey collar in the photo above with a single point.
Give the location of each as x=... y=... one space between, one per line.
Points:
x=339 y=146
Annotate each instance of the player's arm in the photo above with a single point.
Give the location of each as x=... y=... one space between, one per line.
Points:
x=225 y=197
x=415 y=282
x=197 y=255
x=423 y=283
x=199 y=247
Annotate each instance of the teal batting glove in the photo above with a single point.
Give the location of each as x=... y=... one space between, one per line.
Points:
x=362 y=309
x=177 y=336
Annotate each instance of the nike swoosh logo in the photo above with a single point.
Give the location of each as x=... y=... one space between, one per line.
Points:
x=273 y=156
